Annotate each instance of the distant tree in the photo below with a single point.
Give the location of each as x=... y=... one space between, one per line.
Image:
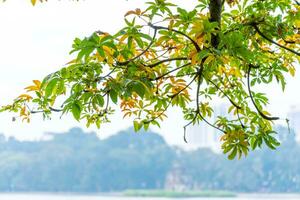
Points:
x=79 y=162
x=168 y=56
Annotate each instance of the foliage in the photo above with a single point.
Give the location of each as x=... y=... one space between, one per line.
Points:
x=220 y=49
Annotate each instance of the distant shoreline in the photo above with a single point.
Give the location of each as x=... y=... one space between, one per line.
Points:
x=178 y=194
x=162 y=193
x=270 y=195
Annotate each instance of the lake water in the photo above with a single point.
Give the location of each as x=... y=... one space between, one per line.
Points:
x=96 y=197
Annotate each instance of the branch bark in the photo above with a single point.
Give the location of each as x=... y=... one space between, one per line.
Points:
x=215 y=10
x=178 y=32
x=252 y=99
x=272 y=41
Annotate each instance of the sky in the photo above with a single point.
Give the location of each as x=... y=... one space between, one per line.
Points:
x=35 y=41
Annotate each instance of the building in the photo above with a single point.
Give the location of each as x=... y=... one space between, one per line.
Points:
x=204 y=136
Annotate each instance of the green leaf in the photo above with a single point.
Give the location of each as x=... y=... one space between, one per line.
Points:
x=202 y=54
x=137 y=126
x=76 y=110
x=100 y=100
x=143 y=35
x=64 y=73
x=113 y=96
x=139 y=89
x=50 y=87
x=146 y=126
x=233 y=153
x=227 y=149
x=269 y=143
x=101 y=51
x=253 y=142
x=86 y=96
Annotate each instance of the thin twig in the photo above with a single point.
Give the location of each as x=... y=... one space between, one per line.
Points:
x=172 y=97
x=169 y=72
x=272 y=41
x=251 y=97
x=142 y=53
x=166 y=60
x=179 y=32
x=239 y=118
x=198 y=103
x=223 y=92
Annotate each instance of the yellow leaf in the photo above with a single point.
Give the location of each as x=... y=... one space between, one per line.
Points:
x=32 y=88
x=37 y=83
x=223 y=137
x=297 y=23
x=130 y=13
x=25 y=96
x=292 y=71
x=221 y=70
x=134 y=12
x=237 y=73
x=171 y=24
x=138 y=11
x=35 y=87
x=266 y=113
x=71 y=62
x=23 y=111
x=26 y=119
x=194 y=57
x=108 y=50
x=123 y=38
x=33 y=2
x=98 y=57
x=209 y=59
x=120 y=58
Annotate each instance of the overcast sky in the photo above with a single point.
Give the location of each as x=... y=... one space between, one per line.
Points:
x=35 y=41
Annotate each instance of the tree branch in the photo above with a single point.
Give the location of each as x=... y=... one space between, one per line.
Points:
x=187 y=125
x=232 y=102
x=169 y=72
x=166 y=60
x=215 y=10
x=142 y=53
x=98 y=79
x=179 y=32
x=199 y=75
x=198 y=108
x=200 y=72
x=239 y=118
x=272 y=41
x=251 y=97
x=55 y=109
x=172 y=97
x=42 y=111
x=223 y=92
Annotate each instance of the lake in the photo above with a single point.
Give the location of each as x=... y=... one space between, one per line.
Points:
x=96 y=197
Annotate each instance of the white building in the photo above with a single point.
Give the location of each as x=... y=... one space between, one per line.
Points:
x=204 y=136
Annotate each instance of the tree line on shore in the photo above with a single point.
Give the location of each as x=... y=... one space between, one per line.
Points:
x=80 y=162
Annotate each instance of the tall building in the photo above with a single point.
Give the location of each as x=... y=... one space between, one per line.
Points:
x=204 y=136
